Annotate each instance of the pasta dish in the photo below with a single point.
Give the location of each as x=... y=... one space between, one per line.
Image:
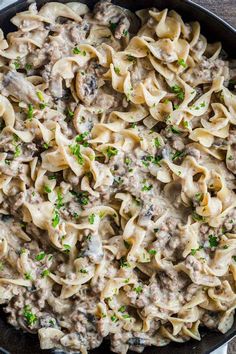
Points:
x=117 y=178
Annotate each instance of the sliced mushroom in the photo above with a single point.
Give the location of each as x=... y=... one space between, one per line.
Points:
x=86 y=87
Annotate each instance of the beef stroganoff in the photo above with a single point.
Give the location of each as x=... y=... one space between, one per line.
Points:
x=118 y=147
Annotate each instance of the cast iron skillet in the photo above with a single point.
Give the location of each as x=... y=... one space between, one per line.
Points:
x=13 y=341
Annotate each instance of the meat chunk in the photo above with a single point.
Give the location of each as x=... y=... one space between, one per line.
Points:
x=107 y=14
x=206 y=71
x=16 y=85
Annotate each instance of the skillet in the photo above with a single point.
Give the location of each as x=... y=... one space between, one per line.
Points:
x=13 y=341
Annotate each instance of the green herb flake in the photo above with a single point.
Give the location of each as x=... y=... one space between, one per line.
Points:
x=234 y=258
x=111 y=151
x=225 y=247
x=83 y=271
x=81 y=139
x=28 y=67
x=55 y=219
x=1 y=266
x=152 y=252
x=45 y=273
x=182 y=63
x=40 y=96
x=197 y=217
x=47 y=189
x=40 y=256
x=27 y=276
x=59 y=201
x=124 y=263
x=128 y=161
x=125 y=33
x=213 y=241
x=185 y=124
x=75 y=150
x=127 y=245
x=174 y=130
x=122 y=309
x=16 y=63
x=30 y=317
x=146 y=188
x=130 y=57
x=138 y=289
x=17 y=151
x=126 y=316
x=114 y=318
x=91 y=218
x=113 y=25
x=198 y=197
x=30 y=111
x=178 y=91
x=178 y=155
x=76 y=50
x=81 y=197
x=117 y=70
x=67 y=248
x=157 y=143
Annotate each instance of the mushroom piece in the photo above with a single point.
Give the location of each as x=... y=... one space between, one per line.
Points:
x=86 y=87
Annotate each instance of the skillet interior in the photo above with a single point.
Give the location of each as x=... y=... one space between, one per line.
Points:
x=16 y=342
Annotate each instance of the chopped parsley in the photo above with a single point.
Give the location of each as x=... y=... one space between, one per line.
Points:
x=125 y=33
x=185 y=123
x=114 y=318
x=55 y=219
x=130 y=57
x=17 y=151
x=178 y=155
x=126 y=315
x=234 y=258
x=197 y=217
x=81 y=139
x=16 y=63
x=138 y=289
x=79 y=51
x=40 y=256
x=45 y=273
x=194 y=250
x=45 y=146
x=28 y=67
x=128 y=161
x=113 y=25
x=40 y=96
x=27 y=276
x=83 y=271
x=157 y=143
x=30 y=111
x=174 y=130
x=30 y=317
x=117 y=70
x=91 y=218
x=198 y=197
x=81 y=197
x=67 y=248
x=147 y=188
x=152 y=252
x=124 y=263
x=69 y=113
x=122 y=309
x=182 y=63
x=59 y=200
x=178 y=91
x=111 y=151
x=75 y=150
x=213 y=241
x=47 y=189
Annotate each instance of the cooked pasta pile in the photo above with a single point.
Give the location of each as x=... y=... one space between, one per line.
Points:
x=117 y=178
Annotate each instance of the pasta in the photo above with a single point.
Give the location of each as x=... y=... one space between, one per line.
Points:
x=117 y=178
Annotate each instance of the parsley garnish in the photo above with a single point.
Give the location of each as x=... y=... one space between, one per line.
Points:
x=79 y=51
x=122 y=309
x=114 y=318
x=157 y=143
x=152 y=252
x=138 y=289
x=55 y=219
x=30 y=317
x=113 y=25
x=111 y=151
x=40 y=256
x=83 y=271
x=124 y=263
x=213 y=241
x=81 y=197
x=178 y=91
x=91 y=218
x=117 y=70
x=28 y=67
x=45 y=273
x=197 y=217
x=27 y=276
x=81 y=139
x=182 y=63
x=146 y=188
x=47 y=189
x=67 y=248
x=177 y=155
x=130 y=57
x=30 y=112
x=75 y=150
x=17 y=63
